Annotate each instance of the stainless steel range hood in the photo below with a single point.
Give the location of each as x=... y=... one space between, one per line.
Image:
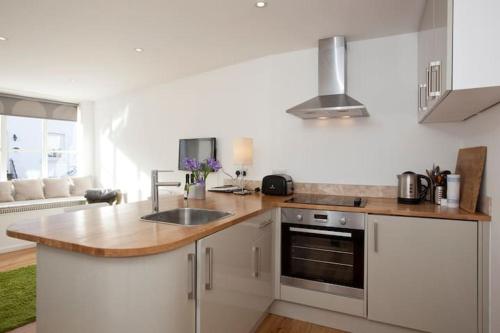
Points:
x=332 y=102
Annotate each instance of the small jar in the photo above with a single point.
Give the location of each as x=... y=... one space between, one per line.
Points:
x=438 y=194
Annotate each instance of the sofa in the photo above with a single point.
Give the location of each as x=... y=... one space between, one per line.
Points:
x=32 y=198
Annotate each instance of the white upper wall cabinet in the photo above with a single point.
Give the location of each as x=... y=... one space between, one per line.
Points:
x=458 y=71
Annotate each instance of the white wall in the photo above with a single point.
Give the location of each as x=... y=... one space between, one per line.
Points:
x=139 y=131
x=484 y=130
x=85 y=158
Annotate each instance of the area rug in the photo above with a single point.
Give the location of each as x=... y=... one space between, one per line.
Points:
x=17 y=298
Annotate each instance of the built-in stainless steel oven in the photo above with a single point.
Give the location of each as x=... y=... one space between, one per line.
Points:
x=323 y=251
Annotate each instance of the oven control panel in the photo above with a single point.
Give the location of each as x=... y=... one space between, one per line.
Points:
x=324 y=218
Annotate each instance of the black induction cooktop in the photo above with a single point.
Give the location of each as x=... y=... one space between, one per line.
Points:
x=328 y=200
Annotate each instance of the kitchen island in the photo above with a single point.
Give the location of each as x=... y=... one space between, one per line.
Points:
x=117 y=231
x=105 y=270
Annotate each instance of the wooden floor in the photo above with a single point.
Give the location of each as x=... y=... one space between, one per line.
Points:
x=278 y=324
x=30 y=328
x=17 y=259
x=271 y=324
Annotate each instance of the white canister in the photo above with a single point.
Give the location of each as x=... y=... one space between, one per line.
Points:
x=453 y=191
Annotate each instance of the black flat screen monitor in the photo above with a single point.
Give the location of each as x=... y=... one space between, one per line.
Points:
x=200 y=149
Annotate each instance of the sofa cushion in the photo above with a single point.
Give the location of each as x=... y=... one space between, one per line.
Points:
x=80 y=185
x=56 y=187
x=28 y=189
x=6 y=192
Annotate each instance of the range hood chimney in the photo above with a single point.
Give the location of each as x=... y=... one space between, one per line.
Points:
x=332 y=102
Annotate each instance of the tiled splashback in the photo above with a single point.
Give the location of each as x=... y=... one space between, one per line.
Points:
x=335 y=189
x=349 y=190
x=372 y=191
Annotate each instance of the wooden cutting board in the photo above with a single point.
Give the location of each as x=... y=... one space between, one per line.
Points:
x=470 y=167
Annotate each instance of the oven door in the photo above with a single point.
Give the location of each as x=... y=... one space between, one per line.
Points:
x=323 y=258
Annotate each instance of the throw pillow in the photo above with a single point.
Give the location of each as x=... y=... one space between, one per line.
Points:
x=56 y=187
x=29 y=189
x=80 y=185
x=6 y=192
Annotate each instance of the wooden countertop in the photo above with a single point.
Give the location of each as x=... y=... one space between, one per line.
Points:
x=117 y=231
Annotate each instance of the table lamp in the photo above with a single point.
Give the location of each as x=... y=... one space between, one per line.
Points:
x=242 y=158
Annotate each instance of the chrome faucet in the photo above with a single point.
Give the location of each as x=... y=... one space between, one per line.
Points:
x=154 y=188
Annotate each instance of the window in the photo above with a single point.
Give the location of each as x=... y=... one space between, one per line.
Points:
x=39 y=147
x=61 y=148
x=25 y=147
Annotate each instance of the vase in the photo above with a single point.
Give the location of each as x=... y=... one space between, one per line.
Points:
x=197 y=191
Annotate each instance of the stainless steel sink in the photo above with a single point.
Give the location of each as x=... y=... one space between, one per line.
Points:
x=186 y=216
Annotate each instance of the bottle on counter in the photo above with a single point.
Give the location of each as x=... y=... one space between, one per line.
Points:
x=186 y=187
x=453 y=191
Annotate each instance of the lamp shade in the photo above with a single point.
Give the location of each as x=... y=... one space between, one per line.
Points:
x=243 y=151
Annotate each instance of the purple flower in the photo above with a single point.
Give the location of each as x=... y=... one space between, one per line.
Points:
x=199 y=170
x=214 y=164
x=192 y=164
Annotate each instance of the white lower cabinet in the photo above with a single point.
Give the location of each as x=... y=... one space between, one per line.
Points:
x=235 y=277
x=423 y=273
x=79 y=293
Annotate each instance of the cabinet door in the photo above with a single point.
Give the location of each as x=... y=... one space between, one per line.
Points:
x=422 y=273
x=231 y=268
x=263 y=272
x=80 y=293
x=425 y=45
x=441 y=51
x=443 y=43
x=434 y=54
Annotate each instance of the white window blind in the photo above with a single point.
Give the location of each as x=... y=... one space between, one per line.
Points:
x=21 y=106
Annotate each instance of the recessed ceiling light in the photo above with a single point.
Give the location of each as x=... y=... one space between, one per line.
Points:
x=322 y=118
x=346 y=117
x=260 y=4
x=3 y=38
x=138 y=49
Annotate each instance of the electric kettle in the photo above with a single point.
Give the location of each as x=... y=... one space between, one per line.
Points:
x=411 y=190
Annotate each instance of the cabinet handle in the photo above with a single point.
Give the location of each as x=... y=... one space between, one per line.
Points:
x=209 y=252
x=439 y=81
x=419 y=97
x=256 y=261
x=375 y=237
x=421 y=106
x=192 y=276
x=428 y=84
x=322 y=232
x=435 y=73
x=424 y=106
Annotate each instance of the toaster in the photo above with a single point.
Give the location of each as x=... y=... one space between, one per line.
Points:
x=277 y=185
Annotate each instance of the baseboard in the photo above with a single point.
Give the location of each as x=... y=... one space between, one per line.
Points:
x=332 y=319
x=259 y=322
x=18 y=247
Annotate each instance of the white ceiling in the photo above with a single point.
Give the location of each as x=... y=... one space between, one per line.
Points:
x=84 y=49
